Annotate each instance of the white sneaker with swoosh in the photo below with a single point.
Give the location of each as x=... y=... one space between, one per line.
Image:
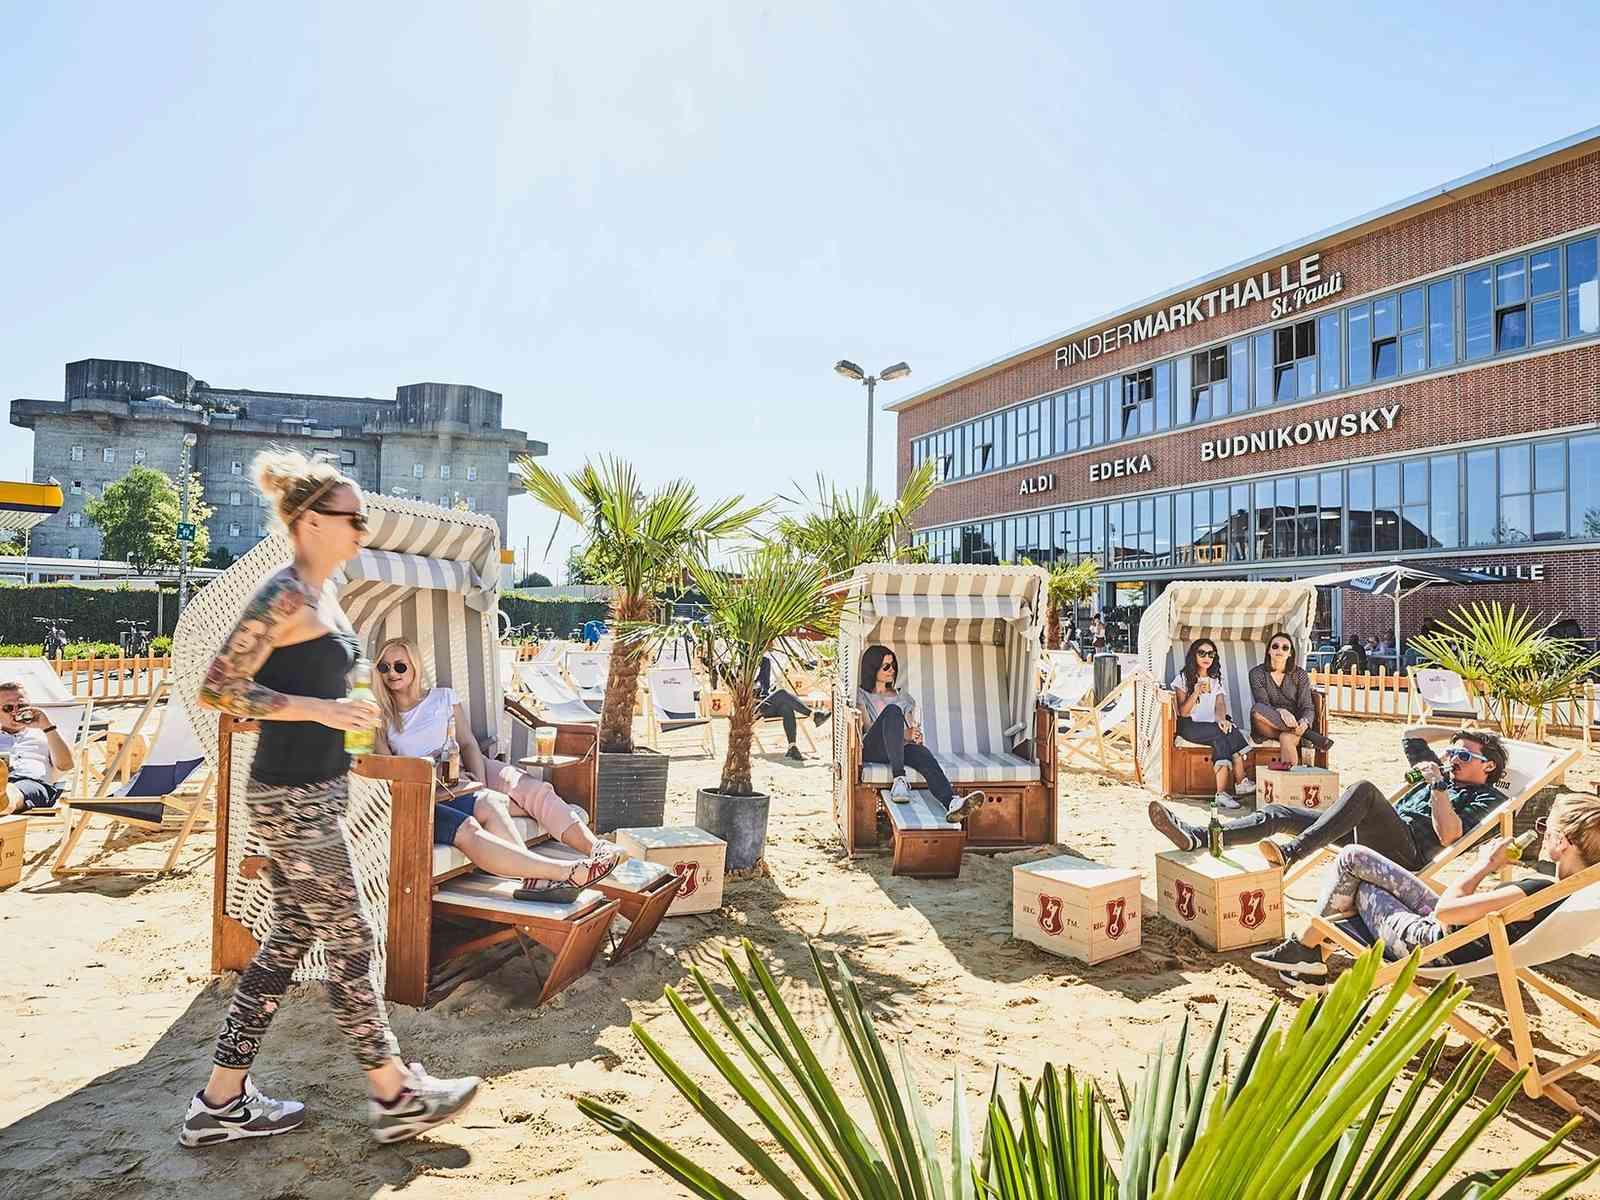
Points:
x=250 y=1115
x=426 y=1102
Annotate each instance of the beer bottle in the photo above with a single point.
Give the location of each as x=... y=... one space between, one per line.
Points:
x=1214 y=831
x=360 y=741
x=452 y=753
x=1414 y=776
x=1520 y=844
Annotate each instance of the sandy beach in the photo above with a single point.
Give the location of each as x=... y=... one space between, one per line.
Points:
x=109 y=1011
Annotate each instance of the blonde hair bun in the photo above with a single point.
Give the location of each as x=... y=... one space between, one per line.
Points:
x=293 y=481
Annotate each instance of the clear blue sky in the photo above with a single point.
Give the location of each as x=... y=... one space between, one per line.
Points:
x=655 y=227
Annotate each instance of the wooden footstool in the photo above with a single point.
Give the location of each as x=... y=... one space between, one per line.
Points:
x=1310 y=789
x=1227 y=902
x=1076 y=908
x=13 y=833
x=927 y=844
x=689 y=852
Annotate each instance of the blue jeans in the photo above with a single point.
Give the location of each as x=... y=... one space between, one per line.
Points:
x=886 y=743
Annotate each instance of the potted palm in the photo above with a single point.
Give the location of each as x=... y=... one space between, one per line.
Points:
x=1070 y=585
x=637 y=546
x=772 y=596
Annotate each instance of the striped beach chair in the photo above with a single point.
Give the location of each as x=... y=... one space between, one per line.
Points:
x=1239 y=618
x=967 y=639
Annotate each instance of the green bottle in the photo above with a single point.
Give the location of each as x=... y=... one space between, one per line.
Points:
x=1520 y=845
x=1214 y=831
x=361 y=741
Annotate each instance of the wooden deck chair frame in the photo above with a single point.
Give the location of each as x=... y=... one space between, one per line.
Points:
x=1539 y=1082
x=1436 y=713
x=79 y=815
x=1502 y=819
x=765 y=725
x=655 y=727
x=1109 y=747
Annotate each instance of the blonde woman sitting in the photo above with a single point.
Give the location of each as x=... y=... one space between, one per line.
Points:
x=477 y=819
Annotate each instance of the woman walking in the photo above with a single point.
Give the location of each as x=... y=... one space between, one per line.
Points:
x=287 y=664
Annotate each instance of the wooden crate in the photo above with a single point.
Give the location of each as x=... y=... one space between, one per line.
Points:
x=719 y=703
x=688 y=852
x=1076 y=908
x=1227 y=902
x=13 y=833
x=1310 y=789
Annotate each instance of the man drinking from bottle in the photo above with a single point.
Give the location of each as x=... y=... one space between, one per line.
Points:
x=39 y=755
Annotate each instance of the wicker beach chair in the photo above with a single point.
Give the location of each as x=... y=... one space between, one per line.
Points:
x=967 y=640
x=429 y=574
x=1239 y=618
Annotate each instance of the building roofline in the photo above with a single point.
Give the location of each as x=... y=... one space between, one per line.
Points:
x=1572 y=146
x=235 y=391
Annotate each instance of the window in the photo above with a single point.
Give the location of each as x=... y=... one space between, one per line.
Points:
x=1138 y=403
x=472 y=474
x=1549 y=489
x=235 y=498
x=1285 y=520
x=1583 y=512
x=416 y=470
x=109 y=455
x=1480 y=321
x=233 y=529
x=1360 y=486
x=1263 y=352
x=1445 y=501
x=74 y=520
x=1413 y=350
x=1386 y=506
x=1385 y=338
x=1358 y=354
x=77 y=487
x=73 y=552
x=1266 y=514
x=472 y=504
x=1414 y=499
x=1583 y=289
x=1328 y=339
x=1510 y=305
x=1544 y=285
x=347 y=458
x=1442 y=323
x=1330 y=518
x=323 y=454
x=1163 y=395
x=236 y=467
x=1483 y=502
x=261 y=531
x=1516 y=505
x=1208 y=389
x=138 y=456
x=77 y=454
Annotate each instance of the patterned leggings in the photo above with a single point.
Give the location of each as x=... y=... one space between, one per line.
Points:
x=1395 y=905
x=314 y=895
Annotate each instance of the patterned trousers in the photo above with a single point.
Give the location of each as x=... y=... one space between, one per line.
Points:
x=314 y=895
x=1394 y=904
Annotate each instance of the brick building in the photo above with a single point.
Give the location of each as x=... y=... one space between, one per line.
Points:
x=1420 y=383
x=439 y=442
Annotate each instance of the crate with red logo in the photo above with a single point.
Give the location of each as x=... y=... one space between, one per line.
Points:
x=1076 y=908
x=687 y=851
x=1227 y=902
x=1312 y=789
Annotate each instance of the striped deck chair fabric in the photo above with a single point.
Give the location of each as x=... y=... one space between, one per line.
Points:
x=174 y=757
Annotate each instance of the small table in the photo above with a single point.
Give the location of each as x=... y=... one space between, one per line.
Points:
x=555 y=760
x=1227 y=902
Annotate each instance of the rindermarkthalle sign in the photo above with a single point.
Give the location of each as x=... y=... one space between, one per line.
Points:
x=1290 y=287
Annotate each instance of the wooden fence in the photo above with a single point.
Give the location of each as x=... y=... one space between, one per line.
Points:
x=1394 y=698
x=110 y=680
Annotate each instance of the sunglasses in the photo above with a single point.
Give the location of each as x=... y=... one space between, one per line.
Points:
x=358 y=519
x=1280 y=646
x=1205 y=653
x=10 y=708
x=398 y=668
x=1462 y=754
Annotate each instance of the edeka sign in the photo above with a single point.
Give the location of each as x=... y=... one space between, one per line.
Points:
x=1116 y=468
x=1323 y=429
x=1291 y=287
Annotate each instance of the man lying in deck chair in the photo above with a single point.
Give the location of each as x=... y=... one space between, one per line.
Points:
x=475 y=817
x=1443 y=805
x=39 y=755
x=1399 y=908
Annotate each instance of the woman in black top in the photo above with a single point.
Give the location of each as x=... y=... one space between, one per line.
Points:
x=1281 y=703
x=287 y=664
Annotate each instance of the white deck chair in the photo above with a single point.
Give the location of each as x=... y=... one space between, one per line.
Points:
x=45 y=690
x=552 y=696
x=782 y=677
x=162 y=788
x=588 y=670
x=1444 y=696
x=508 y=668
x=675 y=703
x=1571 y=928
x=1102 y=734
x=549 y=653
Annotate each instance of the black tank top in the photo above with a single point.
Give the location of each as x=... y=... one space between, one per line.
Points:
x=291 y=753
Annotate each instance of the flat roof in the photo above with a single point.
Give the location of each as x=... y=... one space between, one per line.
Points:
x=1572 y=146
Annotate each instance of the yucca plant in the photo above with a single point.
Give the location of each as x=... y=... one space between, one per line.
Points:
x=1511 y=656
x=637 y=545
x=845 y=529
x=1307 y=1114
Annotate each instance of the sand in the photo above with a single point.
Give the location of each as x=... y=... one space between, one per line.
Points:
x=109 y=1012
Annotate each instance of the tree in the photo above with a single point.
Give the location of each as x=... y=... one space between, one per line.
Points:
x=221 y=558
x=138 y=520
x=1070 y=585
x=12 y=546
x=578 y=569
x=846 y=529
x=532 y=580
x=637 y=546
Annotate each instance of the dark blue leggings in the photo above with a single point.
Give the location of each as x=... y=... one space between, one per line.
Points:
x=886 y=743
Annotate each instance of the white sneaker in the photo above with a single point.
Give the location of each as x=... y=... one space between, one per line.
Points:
x=424 y=1103
x=1226 y=801
x=1245 y=787
x=251 y=1115
x=900 y=793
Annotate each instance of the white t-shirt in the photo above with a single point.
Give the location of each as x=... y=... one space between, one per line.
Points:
x=422 y=730
x=1205 y=708
x=30 y=757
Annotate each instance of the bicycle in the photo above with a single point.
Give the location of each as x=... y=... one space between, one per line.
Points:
x=55 y=636
x=135 y=640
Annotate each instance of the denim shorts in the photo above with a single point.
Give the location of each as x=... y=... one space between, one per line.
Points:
x=450 y=815
x=36 y=793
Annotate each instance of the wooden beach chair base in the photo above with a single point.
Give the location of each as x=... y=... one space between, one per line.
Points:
x=643 y=892
x=927 y=845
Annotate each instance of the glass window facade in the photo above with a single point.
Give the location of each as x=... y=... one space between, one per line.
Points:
x=1545 y=490
x=1544 y=297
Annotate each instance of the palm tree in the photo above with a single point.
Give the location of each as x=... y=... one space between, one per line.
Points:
x=638 y=546
x=1070 y=585
x=1311 y=1111
x=846 y=529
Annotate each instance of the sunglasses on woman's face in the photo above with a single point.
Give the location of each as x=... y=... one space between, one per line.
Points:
x=357 y=519
x=398 y=668
x=1205 y=653
x=11 y=708
x=1279 y=646
x=888 y=666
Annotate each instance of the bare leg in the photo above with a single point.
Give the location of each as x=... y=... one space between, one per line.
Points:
x=1240 y=765
x=505 y=858
x=1224 y=777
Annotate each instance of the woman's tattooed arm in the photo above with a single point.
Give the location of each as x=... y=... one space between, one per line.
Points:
x=230 y=680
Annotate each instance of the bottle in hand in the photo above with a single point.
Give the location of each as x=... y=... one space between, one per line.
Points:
x=360 y=741
x=1521 y=844
x=452 y=754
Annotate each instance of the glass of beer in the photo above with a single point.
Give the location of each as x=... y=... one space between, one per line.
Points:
x=544 y=742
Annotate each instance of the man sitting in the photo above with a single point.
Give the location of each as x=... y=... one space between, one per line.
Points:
x=1443 y=805
x=39 y=756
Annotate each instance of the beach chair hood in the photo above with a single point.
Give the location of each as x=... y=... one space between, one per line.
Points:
x=1239 y=617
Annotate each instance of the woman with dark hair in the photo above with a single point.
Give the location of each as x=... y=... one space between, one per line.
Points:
x=1203 y=717
x=892 y=734
x=1282 y=706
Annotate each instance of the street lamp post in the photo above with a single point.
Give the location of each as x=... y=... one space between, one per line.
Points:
x=850 y=371
x=183 y=519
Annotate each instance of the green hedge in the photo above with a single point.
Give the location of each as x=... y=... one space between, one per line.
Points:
x=563 y=616
x=94 y=612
